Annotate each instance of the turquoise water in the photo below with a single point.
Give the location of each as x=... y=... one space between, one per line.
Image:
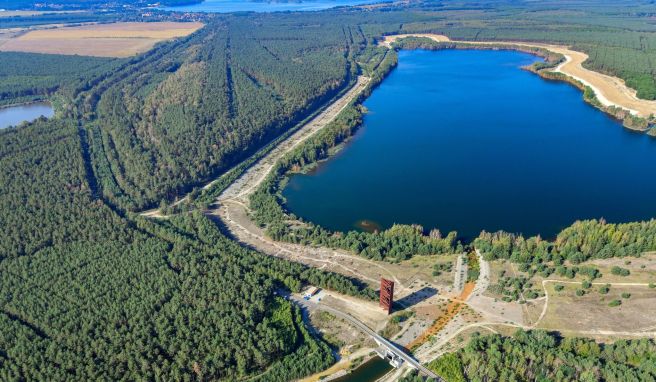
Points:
x=465 y=140
x=14 y=115
x=223 y=6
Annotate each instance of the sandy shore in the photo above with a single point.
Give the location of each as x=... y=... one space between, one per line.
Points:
x=610 y=91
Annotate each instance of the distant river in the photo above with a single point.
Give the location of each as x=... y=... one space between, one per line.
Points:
x=466 y=141
x=224 y=6
x=14 y=115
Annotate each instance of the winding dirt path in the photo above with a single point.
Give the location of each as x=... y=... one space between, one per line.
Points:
x=233 y=211
x=234 y=214
x=610 y=91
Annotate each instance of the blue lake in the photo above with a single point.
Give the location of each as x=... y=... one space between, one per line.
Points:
x=465 y=140
x=15 y=115
x=224 y=6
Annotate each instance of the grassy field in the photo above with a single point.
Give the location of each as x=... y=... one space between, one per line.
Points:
x=589 y=311
x=102 y=40
x=592 y=313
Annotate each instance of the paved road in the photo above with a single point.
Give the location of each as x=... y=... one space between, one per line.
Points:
x=311 y=305
x=460 y=274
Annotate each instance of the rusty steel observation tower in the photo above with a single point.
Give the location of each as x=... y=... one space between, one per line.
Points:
x=386 y=294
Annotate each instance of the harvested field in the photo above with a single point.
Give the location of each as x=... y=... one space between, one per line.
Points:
x=102 y=40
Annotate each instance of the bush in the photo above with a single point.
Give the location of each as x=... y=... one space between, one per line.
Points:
x=559 y=287
x=531 y=295
x=604 y=289
x=580 y=292
x=591 y=272
x=615 y=303
x=626 y=295
x=617 y=271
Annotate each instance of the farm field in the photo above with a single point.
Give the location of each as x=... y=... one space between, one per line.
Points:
x=101 y=40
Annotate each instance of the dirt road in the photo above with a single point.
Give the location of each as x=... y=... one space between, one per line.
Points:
x=253 y=177
x=234 y=213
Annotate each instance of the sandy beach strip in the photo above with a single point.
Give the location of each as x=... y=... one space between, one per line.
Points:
x=610 y=91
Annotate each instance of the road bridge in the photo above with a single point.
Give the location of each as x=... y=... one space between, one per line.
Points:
x=387 y=349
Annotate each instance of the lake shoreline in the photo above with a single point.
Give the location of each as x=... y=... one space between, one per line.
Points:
x=309 y=167
x=26 y=103
x=17 y=114
x=557 y=57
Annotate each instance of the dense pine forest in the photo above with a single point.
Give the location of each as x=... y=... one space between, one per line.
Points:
x=92 y=291
x=542 y=356
x=188 y=111
x=88 y=294
x=27 y=77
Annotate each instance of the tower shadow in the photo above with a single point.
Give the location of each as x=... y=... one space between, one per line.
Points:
x=415 y=298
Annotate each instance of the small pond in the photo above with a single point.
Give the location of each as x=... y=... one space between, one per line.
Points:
x=14 y=115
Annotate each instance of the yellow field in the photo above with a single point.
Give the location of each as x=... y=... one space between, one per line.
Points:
x=103 y=40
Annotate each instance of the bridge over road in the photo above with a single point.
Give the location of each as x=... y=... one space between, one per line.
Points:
x=385 y=344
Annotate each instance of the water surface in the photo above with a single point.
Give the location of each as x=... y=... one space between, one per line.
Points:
x=465 y=140
x=224 y=6
x=369 y=371
x=15 y=115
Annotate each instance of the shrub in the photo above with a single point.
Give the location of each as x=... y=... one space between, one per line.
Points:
x=604 y=289
x=559 y=287
x=615 y=303
x=617 y=271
